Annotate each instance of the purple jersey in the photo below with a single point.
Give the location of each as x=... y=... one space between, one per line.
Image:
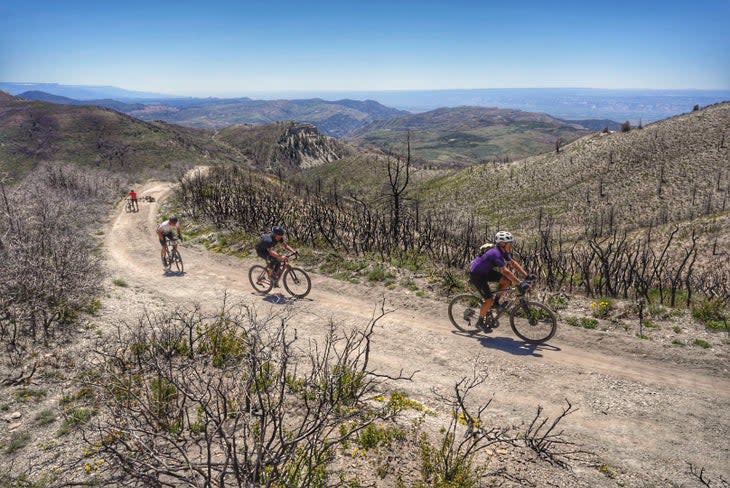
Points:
x=492 y=259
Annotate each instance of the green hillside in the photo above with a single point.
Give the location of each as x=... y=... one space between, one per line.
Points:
x=32 y=132
x=463 y=136
x=672 y=170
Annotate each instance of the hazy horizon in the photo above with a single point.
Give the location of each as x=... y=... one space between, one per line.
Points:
x=231 y=48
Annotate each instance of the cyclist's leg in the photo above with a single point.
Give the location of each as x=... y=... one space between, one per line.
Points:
x=502 y=284
x=163 y=250
x=275 y=266
x=481 y=283
x=163 y=241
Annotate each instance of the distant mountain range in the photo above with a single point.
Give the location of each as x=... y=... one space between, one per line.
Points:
x=334 y=118
x=81 y=92
x=446 y=137
x=618 y=105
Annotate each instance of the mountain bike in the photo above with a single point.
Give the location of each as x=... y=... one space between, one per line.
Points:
x=532 y=322
x=173 y=260
x=295 y=280
x=130 y=206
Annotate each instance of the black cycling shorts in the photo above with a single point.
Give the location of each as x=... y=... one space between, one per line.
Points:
x=481 y=282
x=165 y=237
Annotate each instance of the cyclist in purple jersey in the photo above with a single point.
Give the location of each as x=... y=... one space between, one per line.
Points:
x=494 y=265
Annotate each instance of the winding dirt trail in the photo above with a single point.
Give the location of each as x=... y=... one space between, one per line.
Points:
x=640 y=409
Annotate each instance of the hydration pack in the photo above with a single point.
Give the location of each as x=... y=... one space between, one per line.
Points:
x=485 y=247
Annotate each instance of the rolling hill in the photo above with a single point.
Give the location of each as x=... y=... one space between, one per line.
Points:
x=466 y=135
x=334 y=118
x=33 y=132
x=672 y=170
x=106 y=102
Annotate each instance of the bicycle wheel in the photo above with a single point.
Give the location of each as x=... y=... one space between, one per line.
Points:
x=259 y=279
x=176 y=261
x=297 y=282
x=464 y=312
x=533 y=322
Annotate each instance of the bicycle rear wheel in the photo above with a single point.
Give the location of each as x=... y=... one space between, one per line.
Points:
x=464 y=312
x=533 y=322
x=297 y=282
x=260 y=279
x=177 y=262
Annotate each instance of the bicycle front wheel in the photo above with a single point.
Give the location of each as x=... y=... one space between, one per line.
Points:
x=464 y=312
x=260 y=279
x=533 y=322
x=297 y=282
x=177 y=261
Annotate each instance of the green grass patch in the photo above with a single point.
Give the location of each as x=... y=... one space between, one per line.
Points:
x=373 y=436
x=702 y=343
x=45 y=417
x=711 y=313
x=18 y=440
x=75 y=416
x=677 y=342
x=649 y=324
x=557 y=302
x=585 y=322
x=378 y=273
x=120 y=282
x=29 y=394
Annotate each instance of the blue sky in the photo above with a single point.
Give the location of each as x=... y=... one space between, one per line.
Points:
x=230 y=48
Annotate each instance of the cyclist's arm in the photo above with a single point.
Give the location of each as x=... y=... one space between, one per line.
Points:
x=518 y=267
x=289 y=248
x=274 y=254
x=509 y=274
x=179 y=231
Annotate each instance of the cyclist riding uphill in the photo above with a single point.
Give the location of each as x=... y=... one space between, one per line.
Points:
x=167 y=230
x=494 y=265
x=266 y=249
x=133 y=197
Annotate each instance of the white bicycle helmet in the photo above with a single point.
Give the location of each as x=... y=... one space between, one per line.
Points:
x=503 y=236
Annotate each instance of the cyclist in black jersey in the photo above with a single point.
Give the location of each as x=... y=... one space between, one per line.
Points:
x=266 y=249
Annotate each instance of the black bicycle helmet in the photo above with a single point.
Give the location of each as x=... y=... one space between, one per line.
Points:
x=173 y=218
x=279 y=231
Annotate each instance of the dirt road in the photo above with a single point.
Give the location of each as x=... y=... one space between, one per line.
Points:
x=645 y=409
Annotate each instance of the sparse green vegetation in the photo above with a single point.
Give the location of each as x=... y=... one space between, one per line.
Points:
x=558 y=302
x=702 y=343
x=74 y=417
x=45 y=417
x=120 y=282
x=711 y=313
x=29 y=394
x=650 y=324
x=602 y=308
x=18 y=440
x=373 y=436
x=607 y=470
x=585 y=322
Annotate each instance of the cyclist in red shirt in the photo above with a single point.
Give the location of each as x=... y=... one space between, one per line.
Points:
x=133 y=198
